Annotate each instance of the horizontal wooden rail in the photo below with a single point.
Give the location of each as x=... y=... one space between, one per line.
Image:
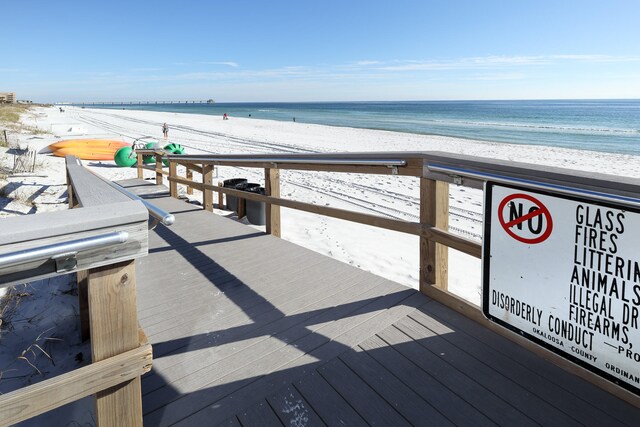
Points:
x=46 y=395
x=190 y=166
x=443 y=237
x=153 y=169
x=190 y=183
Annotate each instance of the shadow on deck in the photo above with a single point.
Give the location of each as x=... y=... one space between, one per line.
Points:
x=248 y=329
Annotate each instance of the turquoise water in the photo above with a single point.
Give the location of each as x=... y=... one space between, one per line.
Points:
x=599 y=125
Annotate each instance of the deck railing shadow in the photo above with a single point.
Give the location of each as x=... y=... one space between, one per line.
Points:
x=423 y=367
x=258 y=309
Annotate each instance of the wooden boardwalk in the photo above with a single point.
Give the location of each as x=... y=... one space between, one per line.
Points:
x=249 y=329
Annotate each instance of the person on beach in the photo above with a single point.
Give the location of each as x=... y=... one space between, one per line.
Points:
x=225 y=117
x=165 y=130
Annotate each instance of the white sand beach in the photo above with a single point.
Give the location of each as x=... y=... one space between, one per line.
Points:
x=389 y=254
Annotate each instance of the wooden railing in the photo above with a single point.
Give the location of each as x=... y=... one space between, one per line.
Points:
x=99 y=240
x=435 y=171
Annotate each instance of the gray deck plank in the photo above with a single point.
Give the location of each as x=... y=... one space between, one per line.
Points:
x=373 y=408
x=221 y=296
x=327 y=402
x=508 y=390
x=572 y=384
x=446 y=401
x=483 y=399
x=293 y=409
x=319 y=348
x=282 y=302
x=286 y=293
x=258 y=415
x=231 y=422
x=398 y=395
x=272 y=286
x=229 y=342
x=582 y=411
x=263 y=355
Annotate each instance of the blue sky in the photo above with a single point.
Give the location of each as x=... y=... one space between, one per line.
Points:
x=304 y=50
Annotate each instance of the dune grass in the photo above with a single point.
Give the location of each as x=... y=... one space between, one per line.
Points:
x=10 y=113
x=10 y=121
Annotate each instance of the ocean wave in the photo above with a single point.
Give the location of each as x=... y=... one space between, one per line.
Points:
x=539 y=126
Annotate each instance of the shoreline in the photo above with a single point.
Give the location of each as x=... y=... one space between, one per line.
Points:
x=609 y=128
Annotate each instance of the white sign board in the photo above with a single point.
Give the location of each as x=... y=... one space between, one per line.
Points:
x=565 y=272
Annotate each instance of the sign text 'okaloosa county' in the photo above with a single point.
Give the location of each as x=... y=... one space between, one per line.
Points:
x=565 y=272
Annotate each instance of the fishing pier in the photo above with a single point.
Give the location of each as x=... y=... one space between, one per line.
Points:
x=197 y=319
x=89 y=104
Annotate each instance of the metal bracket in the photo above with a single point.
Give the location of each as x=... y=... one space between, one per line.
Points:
x=457 y=179
x=152 y=223
x=394 y=170
x=65 y=262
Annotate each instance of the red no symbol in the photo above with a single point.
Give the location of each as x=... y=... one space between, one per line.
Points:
x=514 y=226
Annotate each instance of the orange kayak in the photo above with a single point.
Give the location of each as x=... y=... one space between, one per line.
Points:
x=88 y=149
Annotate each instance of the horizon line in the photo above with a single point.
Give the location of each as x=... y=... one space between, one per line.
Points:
x=186 y=102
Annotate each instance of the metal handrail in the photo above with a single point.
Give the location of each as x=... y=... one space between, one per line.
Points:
x=56 y=249
x=571 y=191
x=160 y=215
x=308 y=160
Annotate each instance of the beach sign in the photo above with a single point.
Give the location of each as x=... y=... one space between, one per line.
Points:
x=564 y=272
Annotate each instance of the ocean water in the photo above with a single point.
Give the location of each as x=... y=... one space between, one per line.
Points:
x=599 y=125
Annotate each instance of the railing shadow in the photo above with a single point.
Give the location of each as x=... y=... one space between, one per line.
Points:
x=265 y=326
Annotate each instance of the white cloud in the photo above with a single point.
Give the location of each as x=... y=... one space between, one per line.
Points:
x=498 y=76
x=227 y=63
x=368 y=63
x=598 y=58
x=498 y=61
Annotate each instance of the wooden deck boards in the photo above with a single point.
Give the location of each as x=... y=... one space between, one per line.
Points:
x=248 y=329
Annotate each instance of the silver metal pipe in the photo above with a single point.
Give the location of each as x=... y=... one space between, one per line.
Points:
x=46 y=252
x=572 y=191
x=160 y=214
x=309 y=160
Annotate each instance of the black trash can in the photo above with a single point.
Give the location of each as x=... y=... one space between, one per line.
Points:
x=232 y=201
x=256 y=211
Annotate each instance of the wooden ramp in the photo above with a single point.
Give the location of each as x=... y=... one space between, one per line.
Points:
x=249 y=329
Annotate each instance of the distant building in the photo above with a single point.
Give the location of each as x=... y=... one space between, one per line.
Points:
x=7 y=97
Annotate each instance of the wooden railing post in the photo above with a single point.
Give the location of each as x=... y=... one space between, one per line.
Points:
x=241 y=205
x=220 y=196
x=114 y=330
x=207 y=194
x=159 y=179
x=190 y=178
x=173 y=173
x=82 y=279
x=139 y=164
x=70 y=194
x=434 y=211
x=272 y=188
